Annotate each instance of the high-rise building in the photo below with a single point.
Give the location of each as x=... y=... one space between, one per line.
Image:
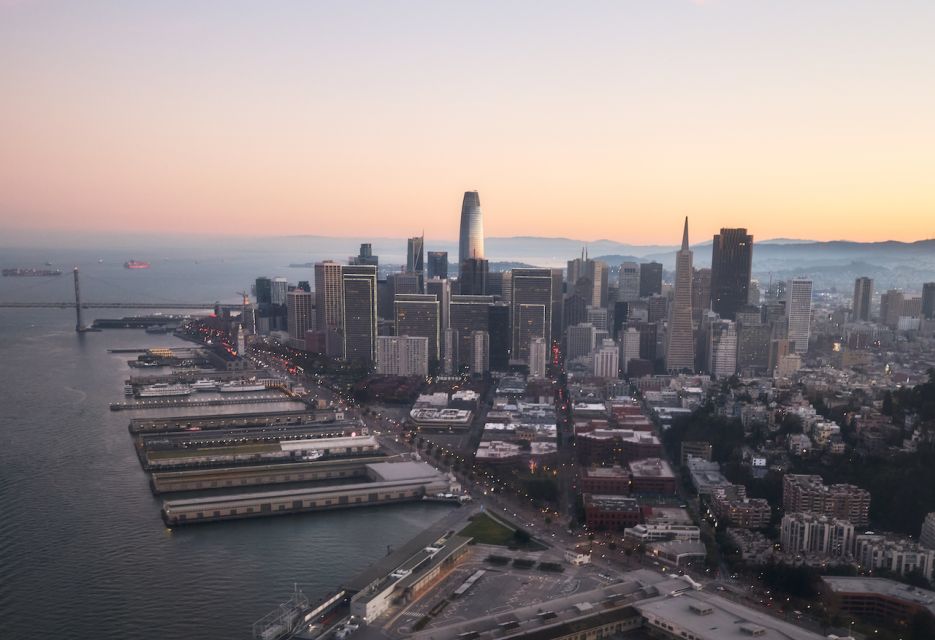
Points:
x=701 y=293
x=359 y=288
x=402 y=356
x=404 y=283
x=472 y=277
x=480 y=353
x=657 y=308
x=680 y=344
x=722 y=348
x=606 y=360
x=589 y=278
x=300 y=313
x=628 y=282
x=598 y=316
x=731 y=263
x=629 y=347
x=650 y=279
x=441 y=289
x=799 y=312
x=466 y=315
x=415 y=254
x=891 y=306
x=365 y=256
x=264 y=291
x=498 y=319
x=279 y=287
x=538 y=353
x=812 y=534
x=450 y=360
x=558 y=301
x=928 y=300
x=580 y=340
x=810 y=493
x=471 y=237
x=753 y=296
x=500 y=284
x=863 y=294
x=753 y=341
x=531 y=309
x=418 y=315
x=438 y=264
x=329 y=306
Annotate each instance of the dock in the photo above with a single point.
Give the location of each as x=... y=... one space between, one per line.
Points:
x=231 y=420
x=392 y=482
x=186 y=402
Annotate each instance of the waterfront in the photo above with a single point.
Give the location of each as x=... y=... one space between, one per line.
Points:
x=83 y=551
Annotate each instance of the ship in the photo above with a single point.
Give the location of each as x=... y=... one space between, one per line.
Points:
x=31 y=273
x=204 y=385
x=162 y=389
x=237 y=387
x=136 y=264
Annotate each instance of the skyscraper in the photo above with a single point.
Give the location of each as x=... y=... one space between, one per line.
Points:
x=402 y=356
x=466 y=315
x=531 y=309
x=731 y=262
x=650 y=279
x=606 y=360
x=365 y=256
x=418 y=316
x=863 y=294
x=472 y=277
x=359 y=288
x=538 y=352
x=799 y=312
x=499 y=331
x=301 y=309
x=480 y=353
x=415 y=255
x=680 y=346
x=329 y=306
x=928 y=300
x=701 y=293
x=471 y=238
x=628 y=280
x=722 y=348
x=437 y=264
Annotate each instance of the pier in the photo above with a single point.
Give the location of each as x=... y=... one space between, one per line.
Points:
x=172 y=403
x=232 y=421
x=201 y=479
x=392 y=482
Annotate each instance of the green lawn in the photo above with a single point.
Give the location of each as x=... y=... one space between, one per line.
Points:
x=486 y=530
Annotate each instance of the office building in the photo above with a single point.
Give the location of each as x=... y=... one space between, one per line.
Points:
x=598 y=316
x=809 y=493
x=415 y=254
x=264 y=291
x=438 y=264
x=628 y=282
x=928 y=300
x=863 y=295
x=472 y=277
x=589 y=278
x=629 y=347
x=365 y=256
x=580 y=340
x=466 y=315
x=606 y=360
x=701 y=293
x=891 y=306
x=558 y=302
x=471 y=236
x=480 y=353
x=657 y=308
x=799 y=313
x=531 y=310
x=812 y=534
x=419 y=315
x=404 y=283
x=300 y=309
x=329 y=306
x=680 y=345
x=402 y=356
x=722 y=348
x=731 y=263
x=753 y=342
x=498 y=328
x=650 y=279
x=538 y=354
x=359 y=291
x=450 y=352
x=279 y=287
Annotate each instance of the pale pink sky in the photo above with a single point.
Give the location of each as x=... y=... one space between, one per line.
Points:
x=588 y=120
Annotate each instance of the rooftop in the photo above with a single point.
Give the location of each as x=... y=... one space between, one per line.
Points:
x=882 y=587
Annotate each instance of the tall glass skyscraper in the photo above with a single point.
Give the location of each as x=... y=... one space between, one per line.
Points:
x=731 y=263
x=471 y=239
x=680 y=346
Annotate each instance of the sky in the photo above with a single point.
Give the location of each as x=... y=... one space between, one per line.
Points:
x=795 y=119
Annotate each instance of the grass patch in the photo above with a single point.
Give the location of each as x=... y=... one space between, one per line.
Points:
x=486 y=530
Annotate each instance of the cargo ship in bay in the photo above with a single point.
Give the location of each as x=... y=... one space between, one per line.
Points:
x=31 y=273
x=136 y=264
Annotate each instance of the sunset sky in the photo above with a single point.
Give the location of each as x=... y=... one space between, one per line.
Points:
x=802 y=119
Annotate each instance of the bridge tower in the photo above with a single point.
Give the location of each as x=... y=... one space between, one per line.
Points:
x=78 y=323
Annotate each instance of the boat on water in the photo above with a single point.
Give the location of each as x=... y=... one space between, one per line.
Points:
x=241 y=386
x=31 y=273
x=204 y=385
x=128 y=389
x=163 y=389
x=136 y=264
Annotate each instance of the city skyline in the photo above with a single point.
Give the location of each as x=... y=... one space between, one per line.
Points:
x=260 y=120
